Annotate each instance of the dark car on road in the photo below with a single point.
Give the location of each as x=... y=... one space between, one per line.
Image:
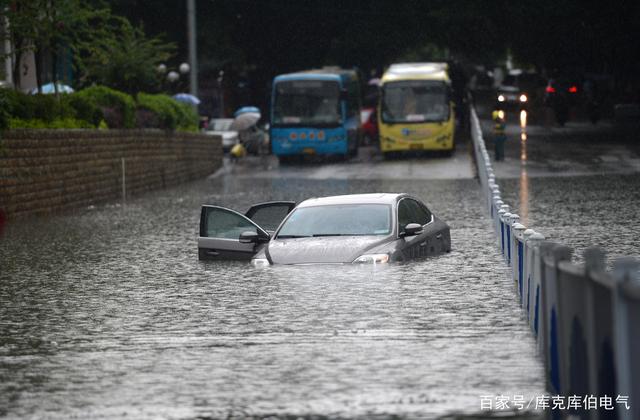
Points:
x=345 y=229
x=561 y=94
x=518 y=90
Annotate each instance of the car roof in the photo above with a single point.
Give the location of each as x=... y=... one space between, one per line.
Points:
x=375 y=198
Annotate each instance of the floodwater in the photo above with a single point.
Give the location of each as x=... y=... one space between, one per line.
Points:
x=577 y=185
x=107 y=313
x=581 y=211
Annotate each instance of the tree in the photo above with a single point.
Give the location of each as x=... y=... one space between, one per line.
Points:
x=105 y=48
x=128 y=61
x=49 y=27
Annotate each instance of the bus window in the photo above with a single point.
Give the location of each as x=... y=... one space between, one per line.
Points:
x=307 y=102
x=415 y=101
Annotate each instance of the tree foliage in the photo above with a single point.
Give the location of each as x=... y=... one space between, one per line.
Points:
x=106 y=49
x=128 y=60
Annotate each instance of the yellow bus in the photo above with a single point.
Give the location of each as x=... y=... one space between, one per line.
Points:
x=415 y=110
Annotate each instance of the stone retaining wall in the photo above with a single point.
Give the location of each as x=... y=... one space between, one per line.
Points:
x=45 y=171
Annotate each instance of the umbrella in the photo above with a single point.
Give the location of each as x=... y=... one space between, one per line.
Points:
x=244 y=121
x=49 y=88
x=247 y=109
x=187 y=98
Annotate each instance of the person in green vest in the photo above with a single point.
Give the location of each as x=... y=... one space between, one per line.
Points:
x=499 y=135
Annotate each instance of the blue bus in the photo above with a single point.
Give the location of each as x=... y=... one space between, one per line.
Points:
x=315 y=112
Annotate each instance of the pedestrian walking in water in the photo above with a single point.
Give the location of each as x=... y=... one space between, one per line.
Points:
x=499 y=135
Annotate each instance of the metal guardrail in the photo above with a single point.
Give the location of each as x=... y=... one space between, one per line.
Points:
x=586 y=320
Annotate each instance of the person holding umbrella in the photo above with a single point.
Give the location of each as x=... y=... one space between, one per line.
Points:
x=251 y=137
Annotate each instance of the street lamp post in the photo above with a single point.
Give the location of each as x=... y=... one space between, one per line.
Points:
x=221 y=92
x=193 y=55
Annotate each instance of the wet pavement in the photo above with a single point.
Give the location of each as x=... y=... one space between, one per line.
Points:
x=576 y=184
x=107 y=313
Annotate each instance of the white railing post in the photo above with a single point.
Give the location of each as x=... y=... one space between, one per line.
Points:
x=627 y=333
x=518 y=258
x=534 y=289
x=512 y=241
x=551 y=254
x=601 y=307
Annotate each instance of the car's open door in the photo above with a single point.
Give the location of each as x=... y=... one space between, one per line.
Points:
x=220 y=230
x=269 y=215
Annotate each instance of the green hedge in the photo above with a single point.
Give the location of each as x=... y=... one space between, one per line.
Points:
x=97 y=106
x=55 y=123
x=42 y=107
x=118 y=108
x=169 y=113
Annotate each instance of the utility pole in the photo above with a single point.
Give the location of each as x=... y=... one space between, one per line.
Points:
x=193 y=55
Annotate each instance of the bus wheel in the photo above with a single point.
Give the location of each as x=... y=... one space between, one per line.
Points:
x=388 y=155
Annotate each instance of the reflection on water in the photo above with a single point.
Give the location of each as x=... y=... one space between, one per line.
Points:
x=110 y=314
x=523 y=119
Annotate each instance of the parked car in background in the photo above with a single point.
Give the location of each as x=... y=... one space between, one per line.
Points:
x=369 y=119
x=369 y=112
x=221 y=127
x=345 y=229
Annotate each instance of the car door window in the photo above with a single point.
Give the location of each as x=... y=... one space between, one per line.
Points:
x=227 y=224
x=410 y=211
x=423 y=213
x=269 y=215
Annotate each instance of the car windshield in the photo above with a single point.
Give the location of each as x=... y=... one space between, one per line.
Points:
x=338 y=220
x=307 y=102
x=416 y=101
x=510 y=80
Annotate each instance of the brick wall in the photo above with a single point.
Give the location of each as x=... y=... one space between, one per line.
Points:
x=44 y=171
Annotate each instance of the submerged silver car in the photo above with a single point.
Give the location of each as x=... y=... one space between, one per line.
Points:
x=345 y=229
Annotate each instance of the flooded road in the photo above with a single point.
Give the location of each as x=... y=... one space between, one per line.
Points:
x=576 y=184
x=108 y=313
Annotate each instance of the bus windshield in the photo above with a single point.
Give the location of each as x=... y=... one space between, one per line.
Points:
x=307 y=102
x=415 y=101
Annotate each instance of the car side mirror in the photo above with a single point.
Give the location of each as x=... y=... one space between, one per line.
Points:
x=412 y=229
x=249 y=237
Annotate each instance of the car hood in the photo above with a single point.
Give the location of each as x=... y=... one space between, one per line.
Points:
x=322 y=250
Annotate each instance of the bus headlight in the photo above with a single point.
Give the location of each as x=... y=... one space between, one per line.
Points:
x=372 y=259
x=500 y=98
x=523 y=98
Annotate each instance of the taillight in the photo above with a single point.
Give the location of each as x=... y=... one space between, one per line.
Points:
x=573 y=89
x=550 y=89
